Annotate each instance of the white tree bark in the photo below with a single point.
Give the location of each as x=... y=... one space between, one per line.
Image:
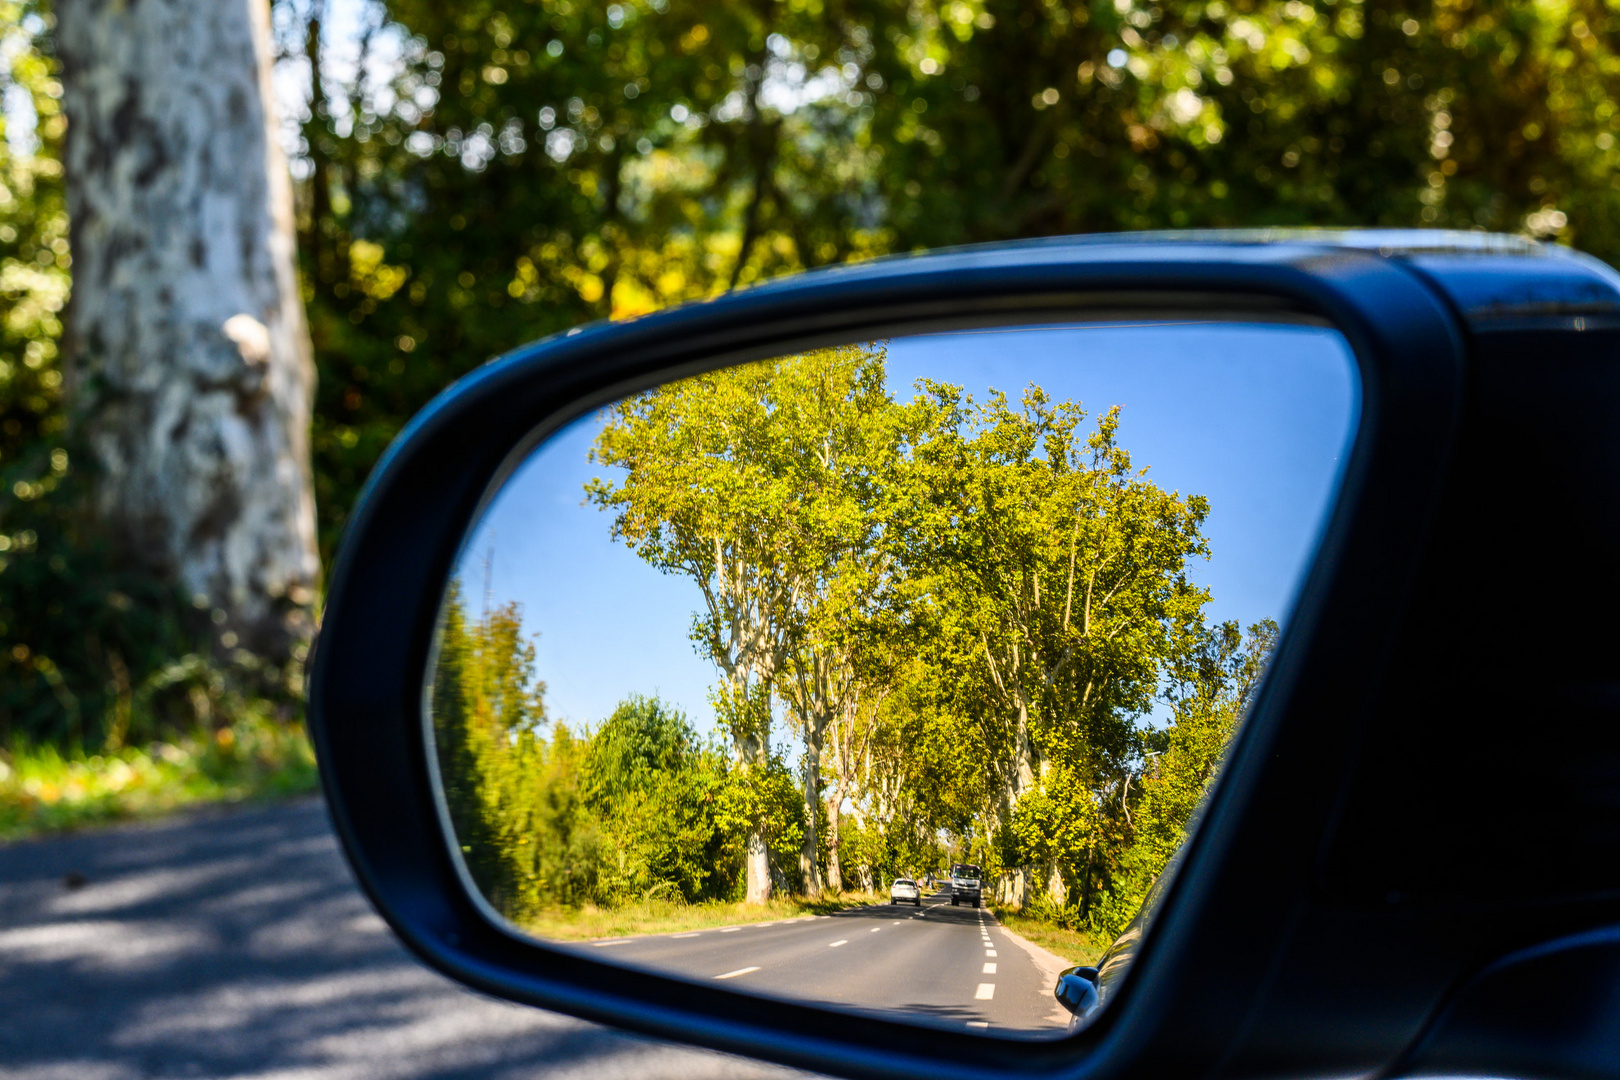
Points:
x=189 y=359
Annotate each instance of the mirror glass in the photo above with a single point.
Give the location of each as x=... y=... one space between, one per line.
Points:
x=887 y=677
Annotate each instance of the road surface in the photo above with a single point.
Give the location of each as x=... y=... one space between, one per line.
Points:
x=234 y=944
x=936 y=964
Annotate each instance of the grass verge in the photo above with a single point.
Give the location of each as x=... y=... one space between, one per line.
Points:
x=1075 y=946
x=44 y=790
x=664 y=916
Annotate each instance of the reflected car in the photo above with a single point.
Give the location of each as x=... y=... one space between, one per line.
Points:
x=904 y=890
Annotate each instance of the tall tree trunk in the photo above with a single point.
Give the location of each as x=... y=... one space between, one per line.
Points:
x=745 y=711
x=190 y=367
x=809 y=853
x=835 y=864
x=757 y=867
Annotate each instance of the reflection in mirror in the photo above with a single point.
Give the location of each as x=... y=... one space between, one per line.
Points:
x=886 y=677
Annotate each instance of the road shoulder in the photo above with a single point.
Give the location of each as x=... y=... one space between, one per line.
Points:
x=1049 y=964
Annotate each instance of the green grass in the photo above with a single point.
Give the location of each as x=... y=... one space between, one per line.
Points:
x=44 y=790
x=1075 y=946
x=664 y=916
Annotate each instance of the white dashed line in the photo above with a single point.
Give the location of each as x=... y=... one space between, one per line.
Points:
x=875 y=929
x=739 y=971
x=978 y=1023
x=684 y=935
x=730 y=929
x=985 y=992
x=605 y=944
x=989 y=969
x=842 y=941
x=989 y=952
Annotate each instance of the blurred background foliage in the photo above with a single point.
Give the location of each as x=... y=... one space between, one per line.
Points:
x=477 y=174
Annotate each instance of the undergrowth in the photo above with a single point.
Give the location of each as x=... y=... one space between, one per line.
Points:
x=659 y=916
x=1075 y=946
x=46 y=790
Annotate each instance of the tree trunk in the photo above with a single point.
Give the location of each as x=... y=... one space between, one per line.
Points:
x=189 y=365
x=835 y=865
x=750 y=727
x=809 y=853
x=1055 y=888
x=758 y=866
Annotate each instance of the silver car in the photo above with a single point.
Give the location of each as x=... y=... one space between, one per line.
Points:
x=905 y=890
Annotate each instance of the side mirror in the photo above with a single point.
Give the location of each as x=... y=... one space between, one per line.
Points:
x=1076 y=990
x=426 y=686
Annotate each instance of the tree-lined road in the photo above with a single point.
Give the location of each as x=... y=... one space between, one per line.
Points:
x=938 y=964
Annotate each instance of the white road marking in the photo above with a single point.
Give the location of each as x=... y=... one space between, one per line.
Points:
x=989 y=952
x=986 y=992
x=843 y=941
x=684 y=935
x=896 y=922
x=739 y=971
x=605 y=944
x=989 y=969
x=730 y=929
x=978 y=1023
x=875 y=929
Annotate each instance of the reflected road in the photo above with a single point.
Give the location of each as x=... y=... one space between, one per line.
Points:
x=940 y=965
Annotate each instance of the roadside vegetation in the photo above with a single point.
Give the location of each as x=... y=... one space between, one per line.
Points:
x=44 y=789
x=590 y=922
x=1075 y=946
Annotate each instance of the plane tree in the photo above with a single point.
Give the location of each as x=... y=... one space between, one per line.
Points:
x=751 y=482
x=1058 y=574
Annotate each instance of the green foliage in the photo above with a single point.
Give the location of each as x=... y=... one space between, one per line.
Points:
x=44 y=789
x=637 y=810
x=34 y=258
x=984 y=601
x=530 y=166
x=974 y=603
x=1213 y=685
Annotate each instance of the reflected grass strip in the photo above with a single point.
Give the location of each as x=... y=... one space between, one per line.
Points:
x=660 y=916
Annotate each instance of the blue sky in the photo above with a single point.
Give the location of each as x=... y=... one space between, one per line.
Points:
x=1257 y=418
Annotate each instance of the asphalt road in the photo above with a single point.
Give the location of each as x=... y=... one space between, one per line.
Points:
x=234 y=944
x=936 y=964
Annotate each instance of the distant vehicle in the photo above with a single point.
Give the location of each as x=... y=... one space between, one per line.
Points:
x=905 y=890
x=965 y=882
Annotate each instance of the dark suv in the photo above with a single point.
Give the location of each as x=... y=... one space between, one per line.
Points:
x=965 y=881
